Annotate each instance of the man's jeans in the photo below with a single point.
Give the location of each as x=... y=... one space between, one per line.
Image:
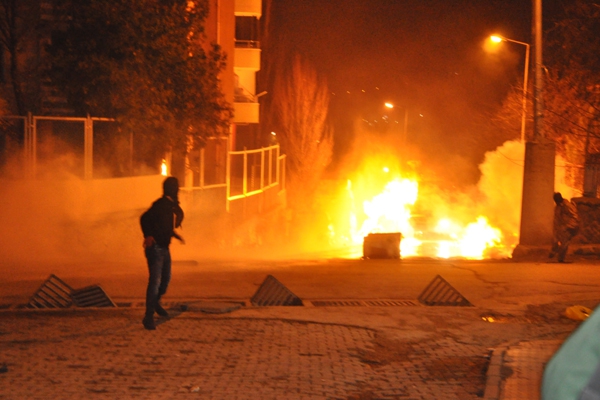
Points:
x=159 y=267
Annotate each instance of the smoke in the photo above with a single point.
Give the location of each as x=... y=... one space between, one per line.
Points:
x=501 y=185
x=59 y=222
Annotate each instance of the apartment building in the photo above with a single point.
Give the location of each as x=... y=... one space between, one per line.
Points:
x=234 y=25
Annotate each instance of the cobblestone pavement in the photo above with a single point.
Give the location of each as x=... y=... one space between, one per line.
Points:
x=106 y=354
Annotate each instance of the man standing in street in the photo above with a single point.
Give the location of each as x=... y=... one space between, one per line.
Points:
x=565 y=227
x=158 y=226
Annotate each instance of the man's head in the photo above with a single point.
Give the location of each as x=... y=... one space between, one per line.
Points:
x=171 y=187
x=558 y=199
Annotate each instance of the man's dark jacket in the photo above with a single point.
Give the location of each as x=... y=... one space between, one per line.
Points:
x=161 y=218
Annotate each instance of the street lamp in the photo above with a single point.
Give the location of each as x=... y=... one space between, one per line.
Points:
x=498 y=39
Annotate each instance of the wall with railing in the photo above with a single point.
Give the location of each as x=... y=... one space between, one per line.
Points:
x=251 y=181
x=94 y=154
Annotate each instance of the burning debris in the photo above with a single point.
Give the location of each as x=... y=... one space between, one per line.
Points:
x=397 y=209
x=476 y=222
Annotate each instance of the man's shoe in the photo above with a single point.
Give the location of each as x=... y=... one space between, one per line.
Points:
x=161 y=311
x=149 y=323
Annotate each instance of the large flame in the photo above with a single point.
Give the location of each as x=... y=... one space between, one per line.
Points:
x=392 y=210
x=471 y=241
x=389 y=211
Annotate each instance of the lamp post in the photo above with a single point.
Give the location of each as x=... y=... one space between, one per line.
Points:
x=537 y=206
x=498 y=39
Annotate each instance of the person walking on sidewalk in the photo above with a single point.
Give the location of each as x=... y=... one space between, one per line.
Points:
x=158 y=226
x=565 y=227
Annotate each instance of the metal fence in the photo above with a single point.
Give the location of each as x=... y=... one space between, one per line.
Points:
x=64 y=144
x=252 y=172
x=93 y=148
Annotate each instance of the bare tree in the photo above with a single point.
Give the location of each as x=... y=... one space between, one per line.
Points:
x=572 y=98
x=571 y=90
x=18 y=38
x=302 y=104
x=507 y=121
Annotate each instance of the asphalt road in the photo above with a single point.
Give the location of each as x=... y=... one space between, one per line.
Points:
x=500 y=284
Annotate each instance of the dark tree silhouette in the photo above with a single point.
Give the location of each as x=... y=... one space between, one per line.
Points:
x=301 y=103
x=146 y=63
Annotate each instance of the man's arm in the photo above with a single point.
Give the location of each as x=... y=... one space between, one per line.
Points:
x=178 y=211
x=148 y=226
x=178 y=237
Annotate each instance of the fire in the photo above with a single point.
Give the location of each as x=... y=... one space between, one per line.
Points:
x=392 y=211
x=471 y=241
x=478 y=237
x=163 y=167
x=387 y=193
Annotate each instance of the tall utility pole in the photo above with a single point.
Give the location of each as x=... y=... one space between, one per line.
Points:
x=538 y=87
x=537 y=207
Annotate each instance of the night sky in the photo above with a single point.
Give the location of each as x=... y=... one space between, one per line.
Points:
x=424 y=55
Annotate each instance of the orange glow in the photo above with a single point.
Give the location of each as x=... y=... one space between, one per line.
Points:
x=389 y=211
x=163 y=168
x=495 y=38
x=385 y=200
x=470 y=241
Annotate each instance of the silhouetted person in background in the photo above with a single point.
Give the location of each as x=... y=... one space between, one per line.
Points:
x=565 y=227
x=158 y=224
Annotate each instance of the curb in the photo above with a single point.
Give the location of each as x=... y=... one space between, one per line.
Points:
x=493 y=381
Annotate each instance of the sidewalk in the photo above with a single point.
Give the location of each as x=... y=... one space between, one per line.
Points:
x=106 y=354
x=515 y=372
x=248 y=354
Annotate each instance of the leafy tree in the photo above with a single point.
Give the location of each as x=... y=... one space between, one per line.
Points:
x=146 y=63
x=302 y=103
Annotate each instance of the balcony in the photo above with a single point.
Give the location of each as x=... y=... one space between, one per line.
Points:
x=246 y=57
x=248 y=8
x=245 y=106
x=245 y=112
